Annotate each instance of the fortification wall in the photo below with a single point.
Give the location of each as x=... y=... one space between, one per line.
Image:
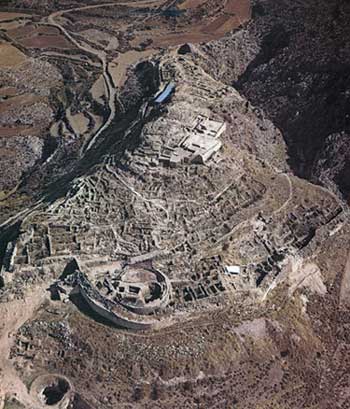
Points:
x=157 y=304
x=107 y=314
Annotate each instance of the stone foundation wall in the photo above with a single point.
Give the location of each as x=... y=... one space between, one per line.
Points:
x=102 y=311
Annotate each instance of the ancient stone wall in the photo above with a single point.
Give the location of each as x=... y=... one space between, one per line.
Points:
x=108 y=310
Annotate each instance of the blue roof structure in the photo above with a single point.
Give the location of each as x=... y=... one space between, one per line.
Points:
x=165 y=94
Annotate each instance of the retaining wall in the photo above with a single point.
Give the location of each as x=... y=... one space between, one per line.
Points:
x=108 y=310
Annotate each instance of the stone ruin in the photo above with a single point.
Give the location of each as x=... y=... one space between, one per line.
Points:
x=129 y=297
x=200 y=142
x=152 y=241
x=52 y=390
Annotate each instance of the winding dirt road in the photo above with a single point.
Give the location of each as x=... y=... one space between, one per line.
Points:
x=110 y=86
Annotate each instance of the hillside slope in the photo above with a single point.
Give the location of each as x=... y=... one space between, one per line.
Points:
x=293 y=61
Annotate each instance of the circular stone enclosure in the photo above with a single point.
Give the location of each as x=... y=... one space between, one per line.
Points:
x=138 y=289
x=51 y=390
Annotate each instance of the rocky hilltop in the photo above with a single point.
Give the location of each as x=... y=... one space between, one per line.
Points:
x=174 y=224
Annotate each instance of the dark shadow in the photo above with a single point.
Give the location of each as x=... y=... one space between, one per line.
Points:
x=300 y=84
x=55 y=392
x=70 y=268
x=85 y=309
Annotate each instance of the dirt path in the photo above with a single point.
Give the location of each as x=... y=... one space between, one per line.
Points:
x=111 y=86
x=141 y=3
x=344 y=296
x=13 y=315
x=154 y=202
x=290 y=196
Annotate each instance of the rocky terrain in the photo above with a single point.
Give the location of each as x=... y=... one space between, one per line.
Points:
x=174 y=218
x=292 y=61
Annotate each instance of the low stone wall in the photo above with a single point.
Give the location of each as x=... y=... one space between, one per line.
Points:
x=157 y=304
x=115 y=319
x=114 y=313
x=40 y=383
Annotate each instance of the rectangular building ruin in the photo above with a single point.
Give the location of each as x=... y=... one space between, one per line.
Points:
x=198 y=145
